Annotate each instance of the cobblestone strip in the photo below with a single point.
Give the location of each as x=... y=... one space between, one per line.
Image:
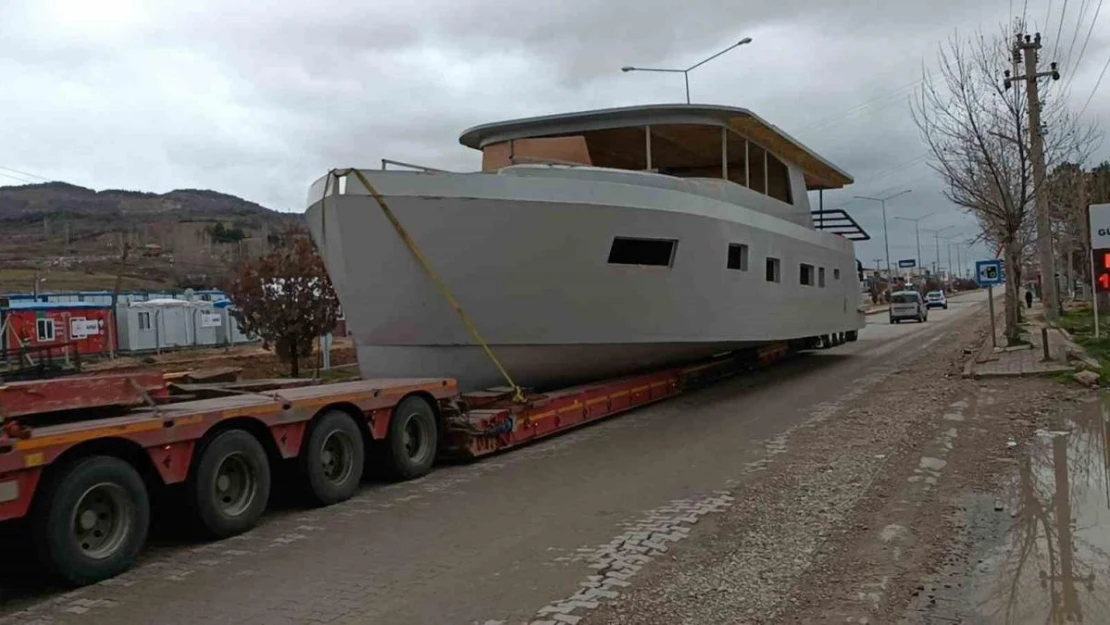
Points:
x=617 y=561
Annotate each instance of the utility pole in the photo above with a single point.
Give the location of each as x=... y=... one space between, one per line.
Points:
x=917 y=233
x=949 y=261
x=1029 y=46
x=886 y=239
x=936 y=237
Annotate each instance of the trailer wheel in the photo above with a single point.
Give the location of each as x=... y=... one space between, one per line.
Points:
x=333 y=457
x=231 y=484
x=92 y=520
x=852 y=336
x=413 y=437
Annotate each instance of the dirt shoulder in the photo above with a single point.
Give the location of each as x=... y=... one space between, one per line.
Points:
x=853 y=514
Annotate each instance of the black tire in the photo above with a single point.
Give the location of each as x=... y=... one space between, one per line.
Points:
x=852 y=336
x=413 y=438
x=91 y=520
x=332 y=459
x=230 y=484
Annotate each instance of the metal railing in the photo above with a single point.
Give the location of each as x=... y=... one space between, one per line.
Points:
x=387 y=161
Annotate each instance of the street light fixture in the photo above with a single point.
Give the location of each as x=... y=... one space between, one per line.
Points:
x=686 y=72
x=949 y=240
x=886 y=239
x=917 y=231
x=936 y=234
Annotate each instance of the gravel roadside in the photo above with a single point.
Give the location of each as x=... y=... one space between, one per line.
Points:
x=850 y=511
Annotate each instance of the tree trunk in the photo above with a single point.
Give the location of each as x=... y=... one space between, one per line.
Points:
x=294 y=358
x=1013 y=284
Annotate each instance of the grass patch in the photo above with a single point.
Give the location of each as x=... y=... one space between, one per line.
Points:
x=341 y=374
x=1078 y=321
x=1064 y=377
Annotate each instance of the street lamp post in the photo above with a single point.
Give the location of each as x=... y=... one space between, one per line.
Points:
x=949 y=243
x=917 y=231
x=936 y=234
x=686 y=72
x=886 y=239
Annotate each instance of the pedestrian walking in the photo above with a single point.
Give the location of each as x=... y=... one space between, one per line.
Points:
x=1028 y=298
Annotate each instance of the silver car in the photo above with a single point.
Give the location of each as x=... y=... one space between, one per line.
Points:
x=907 y=305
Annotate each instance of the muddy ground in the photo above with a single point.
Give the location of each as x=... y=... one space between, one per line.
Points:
x=902 y=506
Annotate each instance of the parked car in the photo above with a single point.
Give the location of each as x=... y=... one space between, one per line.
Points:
x=936 y=299
x=907 y=305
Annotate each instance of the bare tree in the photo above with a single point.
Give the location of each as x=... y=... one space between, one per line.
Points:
x=977 y=133
x=285 y=297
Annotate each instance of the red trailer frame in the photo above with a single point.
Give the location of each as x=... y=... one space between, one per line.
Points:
x=120 y=426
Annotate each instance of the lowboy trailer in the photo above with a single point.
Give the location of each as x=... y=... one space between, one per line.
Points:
x=80 y=456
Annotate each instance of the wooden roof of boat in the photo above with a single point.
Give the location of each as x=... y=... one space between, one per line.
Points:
x=819 y=173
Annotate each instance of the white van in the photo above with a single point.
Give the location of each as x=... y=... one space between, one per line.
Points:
x=907 y=305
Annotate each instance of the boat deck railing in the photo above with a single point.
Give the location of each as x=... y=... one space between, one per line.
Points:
x=388 y=161
x=837 y=221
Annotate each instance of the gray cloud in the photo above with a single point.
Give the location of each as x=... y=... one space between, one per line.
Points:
x=260 y=98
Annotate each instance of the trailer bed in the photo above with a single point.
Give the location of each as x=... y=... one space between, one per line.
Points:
x=119 y=438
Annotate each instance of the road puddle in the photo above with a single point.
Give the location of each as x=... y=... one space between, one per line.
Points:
x=1054 y=563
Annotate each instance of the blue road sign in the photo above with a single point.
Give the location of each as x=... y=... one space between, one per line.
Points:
x=989 y=272
x=906 y=264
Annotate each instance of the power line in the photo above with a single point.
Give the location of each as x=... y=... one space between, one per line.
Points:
x=1059 y=29
x=1083 y=48
x=1075 y=34
x=16 y=178
x=827 y=121
x=1095 y=90
x=23 y=173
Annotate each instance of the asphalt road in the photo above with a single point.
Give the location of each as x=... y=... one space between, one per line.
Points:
x=494 y=541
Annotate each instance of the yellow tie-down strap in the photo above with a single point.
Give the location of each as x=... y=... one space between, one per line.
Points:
x=518 y=393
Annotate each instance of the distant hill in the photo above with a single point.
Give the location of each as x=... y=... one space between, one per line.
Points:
x=61 y=227
x=87 y=209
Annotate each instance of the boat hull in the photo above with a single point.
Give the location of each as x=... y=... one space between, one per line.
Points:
x=540 y=367
x=527 y=259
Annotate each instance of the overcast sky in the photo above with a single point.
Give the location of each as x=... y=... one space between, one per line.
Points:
x=260 y=98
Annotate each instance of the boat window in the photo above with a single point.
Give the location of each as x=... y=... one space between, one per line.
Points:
x=773 y=270
x=778 y=180
x=836 y=273
x=756 y=181
x=655 y=252
x=738 y=256
x=821 y=277
x=806 y=274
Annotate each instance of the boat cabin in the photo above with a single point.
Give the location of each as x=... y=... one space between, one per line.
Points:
x=682 y=140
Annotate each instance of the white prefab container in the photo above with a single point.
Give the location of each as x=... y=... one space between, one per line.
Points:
x=163 y=324
x=229 y=332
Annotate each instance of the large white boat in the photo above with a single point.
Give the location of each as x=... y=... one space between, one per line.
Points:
x=591 y=244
